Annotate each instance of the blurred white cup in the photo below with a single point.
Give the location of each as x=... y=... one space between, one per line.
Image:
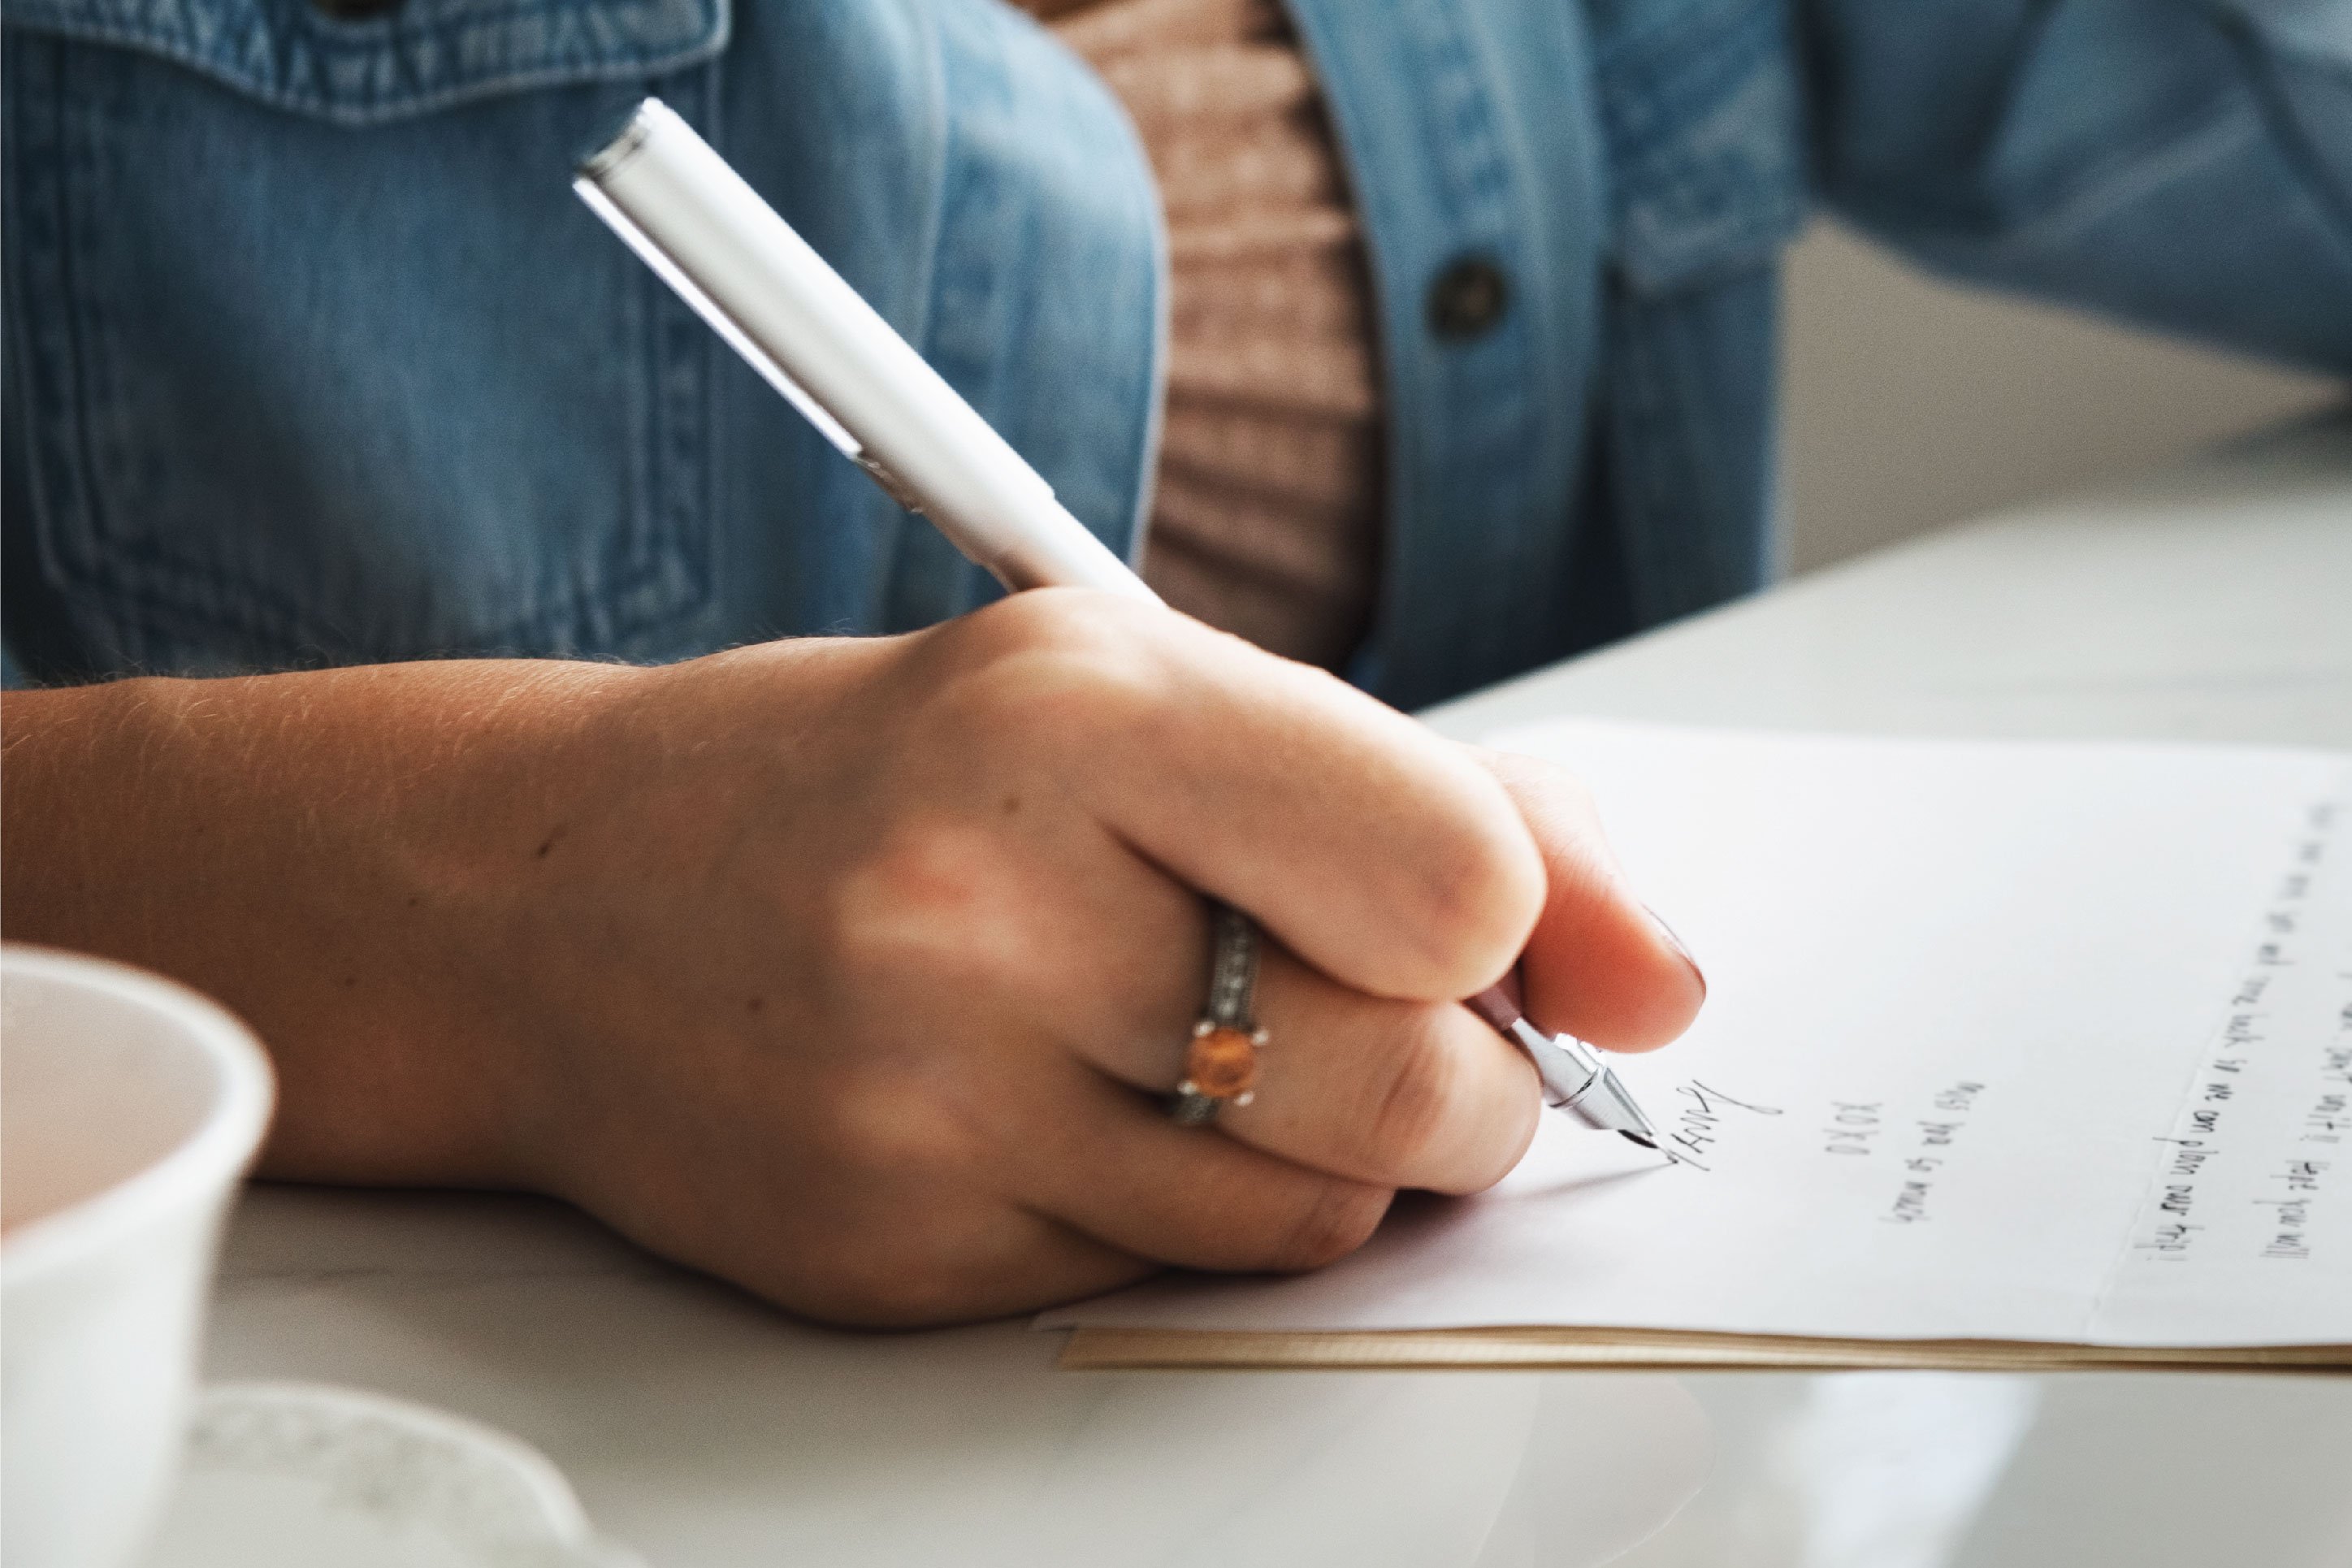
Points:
x=128 y=1107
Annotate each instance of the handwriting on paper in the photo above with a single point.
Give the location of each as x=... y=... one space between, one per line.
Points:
x=1853 y=1126
x=1931 y=1147
x=2245 y=1169
x=1698 y=1116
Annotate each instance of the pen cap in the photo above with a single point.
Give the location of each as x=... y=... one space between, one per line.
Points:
x=667 y=192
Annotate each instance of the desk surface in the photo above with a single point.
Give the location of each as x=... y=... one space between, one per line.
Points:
x=707 y=1431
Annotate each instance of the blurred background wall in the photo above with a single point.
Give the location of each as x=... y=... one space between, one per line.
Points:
x=1909 y=403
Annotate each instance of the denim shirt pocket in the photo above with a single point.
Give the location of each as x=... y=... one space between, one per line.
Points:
x=1700 y=107
x=314 y=356
x=1703 y=119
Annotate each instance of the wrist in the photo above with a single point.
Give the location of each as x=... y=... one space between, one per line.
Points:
x=320 y=852
x=600 y=863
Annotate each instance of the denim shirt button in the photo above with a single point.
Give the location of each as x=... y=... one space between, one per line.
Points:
x=1467 y=298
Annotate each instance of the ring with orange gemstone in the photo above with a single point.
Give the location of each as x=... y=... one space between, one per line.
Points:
x=1221 y=1058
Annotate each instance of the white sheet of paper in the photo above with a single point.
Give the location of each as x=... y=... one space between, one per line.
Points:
x=2004 y=1040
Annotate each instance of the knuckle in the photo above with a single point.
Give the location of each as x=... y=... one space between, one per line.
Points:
x=1462 y=880
x=1062 y=659
x=1055 y=624
x=1339 y=1218
x=892 y=1125
x=936 y=897
x=1418 y=1097
x=1481 y=900
x=1044 y=618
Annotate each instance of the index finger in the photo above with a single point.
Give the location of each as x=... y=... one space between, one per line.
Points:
x=1378 y=852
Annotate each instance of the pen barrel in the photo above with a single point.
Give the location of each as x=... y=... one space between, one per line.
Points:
x=766 y=290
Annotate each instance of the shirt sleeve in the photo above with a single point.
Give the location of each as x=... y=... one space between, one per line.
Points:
x=2182 y=164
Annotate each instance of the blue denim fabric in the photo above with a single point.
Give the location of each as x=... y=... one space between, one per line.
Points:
x=312 y=357
x=316 y=358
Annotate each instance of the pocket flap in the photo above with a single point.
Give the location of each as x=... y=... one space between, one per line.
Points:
x=403 y=58
x=1700 y=105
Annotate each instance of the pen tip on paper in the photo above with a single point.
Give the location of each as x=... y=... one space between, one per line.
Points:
x=1637 y=1138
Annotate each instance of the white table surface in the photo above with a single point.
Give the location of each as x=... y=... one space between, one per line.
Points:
x=707 y=1431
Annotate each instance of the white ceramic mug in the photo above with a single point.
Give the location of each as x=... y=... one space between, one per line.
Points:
x=128 y=1107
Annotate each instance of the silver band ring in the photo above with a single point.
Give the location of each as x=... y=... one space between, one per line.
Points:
x=1221 y=1058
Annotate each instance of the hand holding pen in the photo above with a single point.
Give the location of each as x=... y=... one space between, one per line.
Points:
x=709 y=236
x=858 y=971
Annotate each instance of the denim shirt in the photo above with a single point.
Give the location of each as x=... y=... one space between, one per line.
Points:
x=312 y=357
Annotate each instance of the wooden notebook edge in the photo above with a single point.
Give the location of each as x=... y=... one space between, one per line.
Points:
x=1132 y=1348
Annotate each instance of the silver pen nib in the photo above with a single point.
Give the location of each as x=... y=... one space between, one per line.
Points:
x=1574 y=1080
x=1606 y=1105
x=1578 y=1082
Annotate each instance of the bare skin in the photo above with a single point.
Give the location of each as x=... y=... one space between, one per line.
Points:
x=850 y=970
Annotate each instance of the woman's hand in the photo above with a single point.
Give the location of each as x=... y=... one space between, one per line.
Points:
x=852 y=970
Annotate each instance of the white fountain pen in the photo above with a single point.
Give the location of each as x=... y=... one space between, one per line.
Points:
x=709 y=236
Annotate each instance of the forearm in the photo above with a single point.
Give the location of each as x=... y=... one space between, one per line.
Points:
x=330 y=854
x=852 y=970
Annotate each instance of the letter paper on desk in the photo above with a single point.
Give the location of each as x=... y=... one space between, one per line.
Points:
x=2015 y=1053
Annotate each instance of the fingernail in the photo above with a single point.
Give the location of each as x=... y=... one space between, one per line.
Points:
x=1679 y=945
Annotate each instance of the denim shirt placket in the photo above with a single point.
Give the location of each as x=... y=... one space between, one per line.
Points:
x=1467 y=144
